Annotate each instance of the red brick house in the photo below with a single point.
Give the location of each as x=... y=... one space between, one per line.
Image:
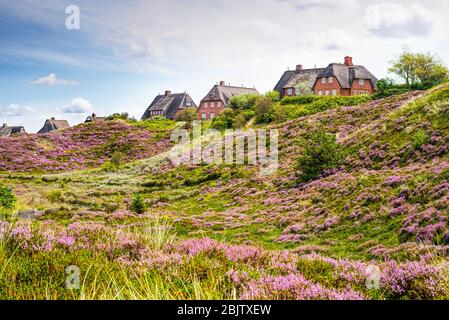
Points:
x=168 y=105
x=344 y=79
x=218 y=98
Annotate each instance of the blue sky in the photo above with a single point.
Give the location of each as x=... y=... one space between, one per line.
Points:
x=125 y=53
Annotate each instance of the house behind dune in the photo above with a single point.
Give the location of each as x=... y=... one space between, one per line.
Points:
x=168 y=105
x=6 y=131
x=52 y=125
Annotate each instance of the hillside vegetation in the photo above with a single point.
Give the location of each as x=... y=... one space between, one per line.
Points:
x=224 y=231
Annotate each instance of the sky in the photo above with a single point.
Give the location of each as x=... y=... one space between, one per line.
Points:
x=126 y=52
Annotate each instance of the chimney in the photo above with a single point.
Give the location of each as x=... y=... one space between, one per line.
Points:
x=348 y=61
x=5 y=125
x=299 y=68
x=94 y=115
x=53 y=118
x=167 y=92
x=222 y=83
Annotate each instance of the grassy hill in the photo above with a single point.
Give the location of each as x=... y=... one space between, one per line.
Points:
x=224 y=231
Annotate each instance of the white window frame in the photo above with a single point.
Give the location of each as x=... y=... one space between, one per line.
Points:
x=289 y=92
x=320 y=93
x=212 y=116
x=330 y=80
x=361 y=82
x=327 y=92
x=323 y=80
x=355 y=92
x=204 y=115
x=334 y=92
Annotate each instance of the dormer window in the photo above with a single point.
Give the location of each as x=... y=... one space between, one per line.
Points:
x=188 y=104
x=331 y=80
x=323 y=80
x=361 y=82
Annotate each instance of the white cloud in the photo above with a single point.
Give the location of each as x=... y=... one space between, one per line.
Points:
x=14 y=110
x=77 y=106
x=53 y=80
x=332 y=39
x=396 y=20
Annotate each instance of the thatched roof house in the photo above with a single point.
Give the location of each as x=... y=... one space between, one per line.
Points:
x=168 y=105
x=53 y=124
x=6 y=131
x=94 y=118
x=218 y=98
x=344 y=79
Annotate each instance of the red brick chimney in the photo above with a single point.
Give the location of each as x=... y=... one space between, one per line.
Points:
x=222 y=83
x=167 y=92
x=299 y=68
x=348 y=61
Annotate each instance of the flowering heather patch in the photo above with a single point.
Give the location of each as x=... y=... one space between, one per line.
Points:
x=294 y=287
x=79 y=147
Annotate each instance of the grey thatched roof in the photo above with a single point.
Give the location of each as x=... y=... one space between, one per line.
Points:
x=169 y=103
x=94 y=118
x=225 y=93
x=53 y=124
x=345 y=74
x=6 y=131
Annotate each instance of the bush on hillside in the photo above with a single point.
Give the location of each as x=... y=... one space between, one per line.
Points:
x=224 y=120
x=7 y=198
x=138 y=204
x=121 y=116
x=320 y=152
x=264 y=110
x=187 y=115
x=243 y=102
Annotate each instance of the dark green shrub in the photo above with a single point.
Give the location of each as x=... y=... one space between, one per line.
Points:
x=320 y=153
x=138 y=204
x=420 y=138
x=188 y=115
x=7 y=198
x=243 y=102
x=264 y=110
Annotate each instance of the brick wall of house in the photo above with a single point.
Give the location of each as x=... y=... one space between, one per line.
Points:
x=329 y=86
x=366 y=87
x=210 y=109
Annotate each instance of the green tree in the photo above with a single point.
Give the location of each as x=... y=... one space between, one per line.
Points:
x=303 y=89
x=138 y=204
x=264 y=110
x=187 y=115
x=320 y=152
x=7 y=198
x=419 y=70
x=243 y=101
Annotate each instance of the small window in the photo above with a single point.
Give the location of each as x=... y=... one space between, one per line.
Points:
x=334 y=92
x=355 y=92
x=204 y=115
x=323 y=80
x=327 y=92
x=331 y=80
x=188 y=104
x=320 y=93
x=362 y=82
x=216 y=104
x=289 y=91
x=212 y=115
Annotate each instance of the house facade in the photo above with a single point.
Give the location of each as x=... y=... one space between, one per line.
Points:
x=218 y=98
x=168 y=105
x=6 y=131
x=344 y=79
x=53 y=124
